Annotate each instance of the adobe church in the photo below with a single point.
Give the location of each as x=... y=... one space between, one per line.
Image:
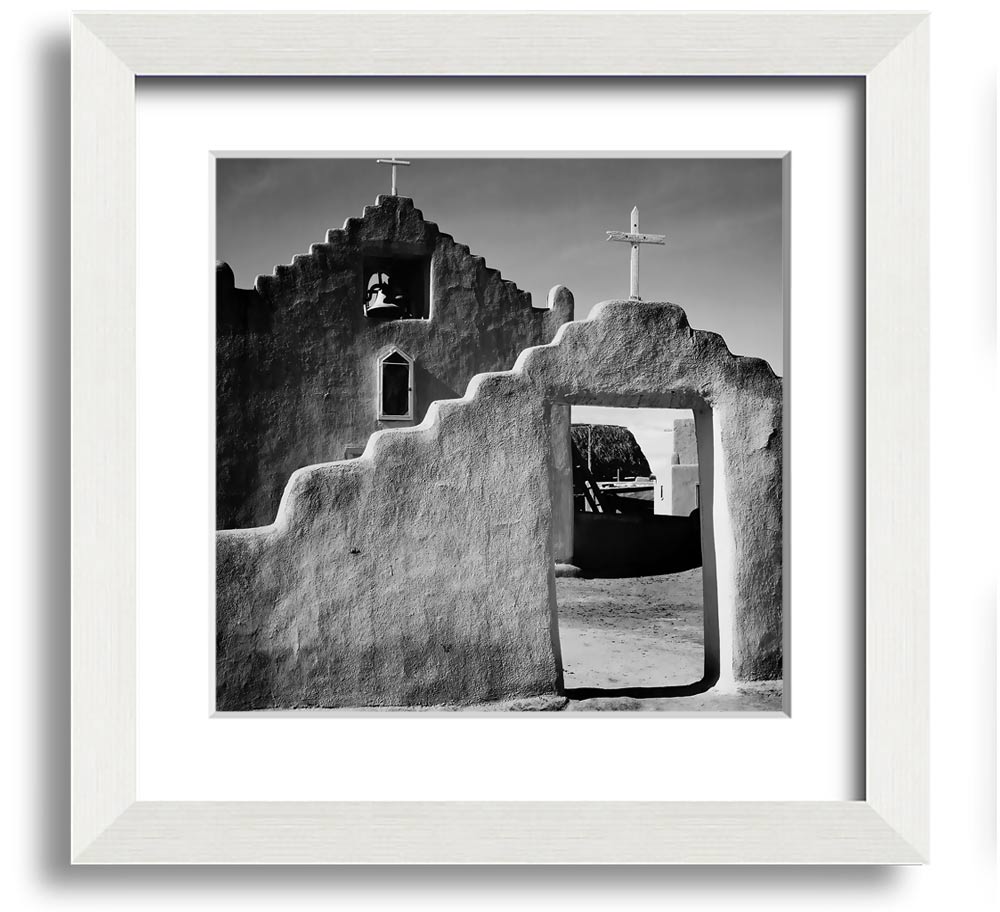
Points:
x=361 y=334
x=395 y=473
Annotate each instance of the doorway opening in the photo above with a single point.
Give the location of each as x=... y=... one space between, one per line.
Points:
x=637 y=606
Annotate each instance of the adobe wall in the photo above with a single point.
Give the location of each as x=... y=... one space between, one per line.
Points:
x=683 y=489
x=296 y=377
x=422 y=572
x=682 y=473
x=685 y=449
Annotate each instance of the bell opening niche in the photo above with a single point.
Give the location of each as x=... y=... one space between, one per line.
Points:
x=396 y=288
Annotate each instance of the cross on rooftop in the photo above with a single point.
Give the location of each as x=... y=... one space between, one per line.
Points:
x=393 y=162
x=635 y=239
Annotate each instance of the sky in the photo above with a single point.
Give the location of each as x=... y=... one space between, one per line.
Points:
x=542 y=222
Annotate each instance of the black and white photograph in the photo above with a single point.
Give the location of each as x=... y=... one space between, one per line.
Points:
x=511 y=438
x=502 y=458
x=500 y=433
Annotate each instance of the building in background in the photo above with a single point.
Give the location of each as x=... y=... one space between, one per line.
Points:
x=678 y=493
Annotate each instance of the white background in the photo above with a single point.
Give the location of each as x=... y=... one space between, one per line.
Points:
x=964 y=456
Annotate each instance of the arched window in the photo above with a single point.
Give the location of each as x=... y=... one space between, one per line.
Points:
x=395 y=387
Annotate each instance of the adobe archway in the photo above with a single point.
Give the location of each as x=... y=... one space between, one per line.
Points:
x=647 y=355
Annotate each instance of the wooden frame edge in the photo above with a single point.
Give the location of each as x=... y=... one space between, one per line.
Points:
x=102 y=650
x=499 y=833
x=897 y=431
x=109 y=826
x=501 y=43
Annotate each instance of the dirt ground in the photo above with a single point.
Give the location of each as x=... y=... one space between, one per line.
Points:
x=641 y=632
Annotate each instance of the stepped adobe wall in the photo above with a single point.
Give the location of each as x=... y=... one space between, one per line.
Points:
x=422 y=572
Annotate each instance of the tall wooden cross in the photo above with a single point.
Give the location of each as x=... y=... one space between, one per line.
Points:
x=393 y=162
x=635 y=239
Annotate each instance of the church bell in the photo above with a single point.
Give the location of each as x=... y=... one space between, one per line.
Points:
x=384 y=298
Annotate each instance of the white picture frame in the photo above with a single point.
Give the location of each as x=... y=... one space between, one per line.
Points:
x=109 y=51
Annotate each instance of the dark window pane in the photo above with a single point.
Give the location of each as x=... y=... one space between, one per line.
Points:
x=395 y=388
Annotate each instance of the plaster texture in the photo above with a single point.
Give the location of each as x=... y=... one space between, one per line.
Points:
x=684 y=473
x=684 y=481
x=422 y=572
x=296 y=357
x=685 y=442
x=561 y=481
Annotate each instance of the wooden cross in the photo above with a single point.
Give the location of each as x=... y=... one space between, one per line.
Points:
x=635 y=239
x=393 y=162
